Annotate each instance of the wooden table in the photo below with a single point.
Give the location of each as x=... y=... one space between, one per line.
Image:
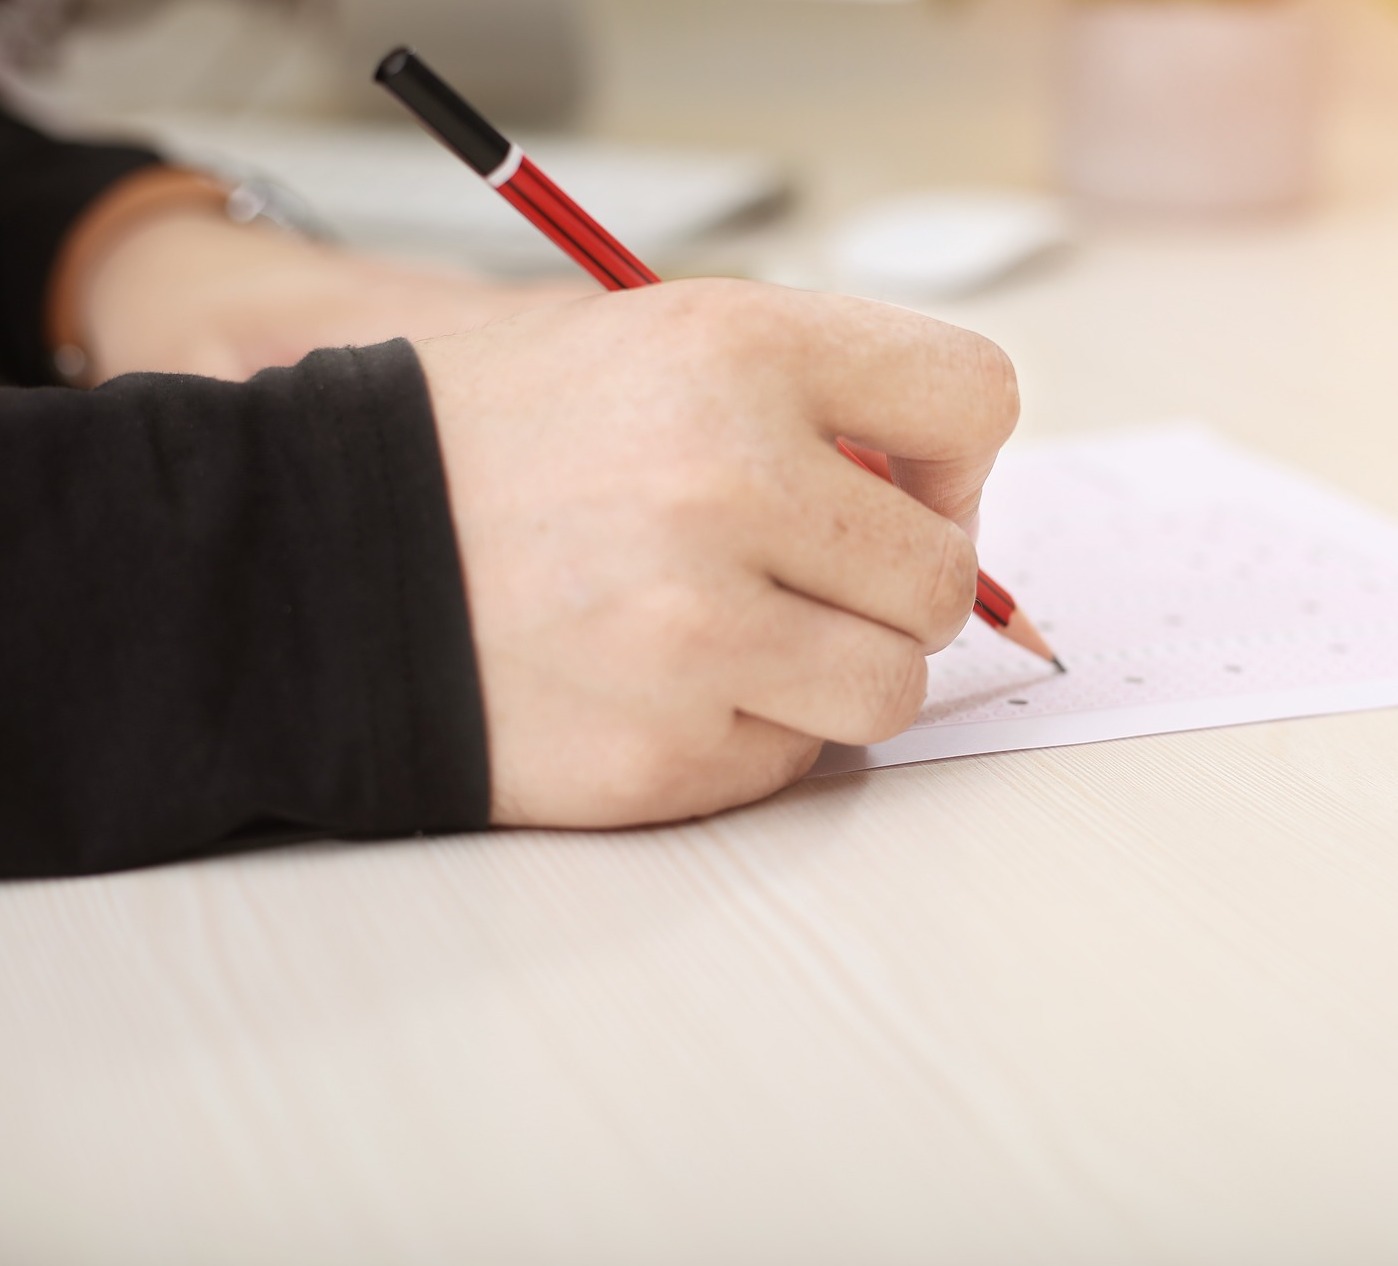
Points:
x=1129 y=1003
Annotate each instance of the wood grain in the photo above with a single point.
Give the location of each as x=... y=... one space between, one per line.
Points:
x=1130 y=1003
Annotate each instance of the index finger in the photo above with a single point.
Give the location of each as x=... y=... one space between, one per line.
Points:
x=939 y=400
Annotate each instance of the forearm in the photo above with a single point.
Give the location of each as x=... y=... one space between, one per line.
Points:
x=113 y=262
x=235 y=614
x=119 y=264
x=184 y=288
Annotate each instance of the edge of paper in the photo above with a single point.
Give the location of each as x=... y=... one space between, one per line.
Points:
x=942 y=742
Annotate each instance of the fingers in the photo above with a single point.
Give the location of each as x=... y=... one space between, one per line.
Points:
x=800 y=673
x=850 y=540
x=755 y=759
x=901 y=382
x=823 y=672
x=667 y=554
x=620 y=781
x=942 y=399
x=939 y=400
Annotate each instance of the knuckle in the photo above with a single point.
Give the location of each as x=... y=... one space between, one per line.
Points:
x=724 y=318
x=998 y=384
x=897 y=694
x=641 y=773
x=677 y=619
x=949 y=586
x=798 y=758
x=753 y=772
x=704 y=501
x=721 y=485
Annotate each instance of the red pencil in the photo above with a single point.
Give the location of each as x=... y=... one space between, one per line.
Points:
x=504 y=166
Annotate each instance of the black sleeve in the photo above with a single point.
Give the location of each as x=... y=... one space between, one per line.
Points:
x=44 y=187
x=230 y=613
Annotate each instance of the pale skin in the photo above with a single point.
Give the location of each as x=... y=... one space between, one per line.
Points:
x=186 y=291
x=664 y=553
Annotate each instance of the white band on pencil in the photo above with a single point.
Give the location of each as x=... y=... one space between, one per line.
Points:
x=502 y=174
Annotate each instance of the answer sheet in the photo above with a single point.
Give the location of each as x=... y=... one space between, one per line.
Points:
x=1185 y=583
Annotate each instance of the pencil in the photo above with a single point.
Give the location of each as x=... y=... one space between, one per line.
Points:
x=510 y=172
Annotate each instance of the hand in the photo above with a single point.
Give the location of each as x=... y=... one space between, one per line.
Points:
x=678 y=587
x=187 y=291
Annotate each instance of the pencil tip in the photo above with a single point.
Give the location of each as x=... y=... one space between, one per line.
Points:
x=1058 y=664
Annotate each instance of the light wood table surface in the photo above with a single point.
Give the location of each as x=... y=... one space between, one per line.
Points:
x=1129 y=1003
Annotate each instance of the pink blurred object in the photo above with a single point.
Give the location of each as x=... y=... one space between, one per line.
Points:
x=1173 y=105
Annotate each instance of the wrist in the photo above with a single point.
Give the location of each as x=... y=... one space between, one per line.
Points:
x=130 y=205
x=137 y=255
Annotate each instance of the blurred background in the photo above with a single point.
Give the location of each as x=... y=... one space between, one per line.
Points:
x=1160 y=207
x=966 y=91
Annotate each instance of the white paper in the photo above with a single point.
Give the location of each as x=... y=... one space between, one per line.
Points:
x=1185 y=583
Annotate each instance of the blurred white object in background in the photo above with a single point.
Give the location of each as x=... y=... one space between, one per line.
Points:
x=1192 y=107
x=394 y=187
x=939 y=244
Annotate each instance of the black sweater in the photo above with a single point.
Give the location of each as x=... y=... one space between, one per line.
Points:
x=230 y=613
